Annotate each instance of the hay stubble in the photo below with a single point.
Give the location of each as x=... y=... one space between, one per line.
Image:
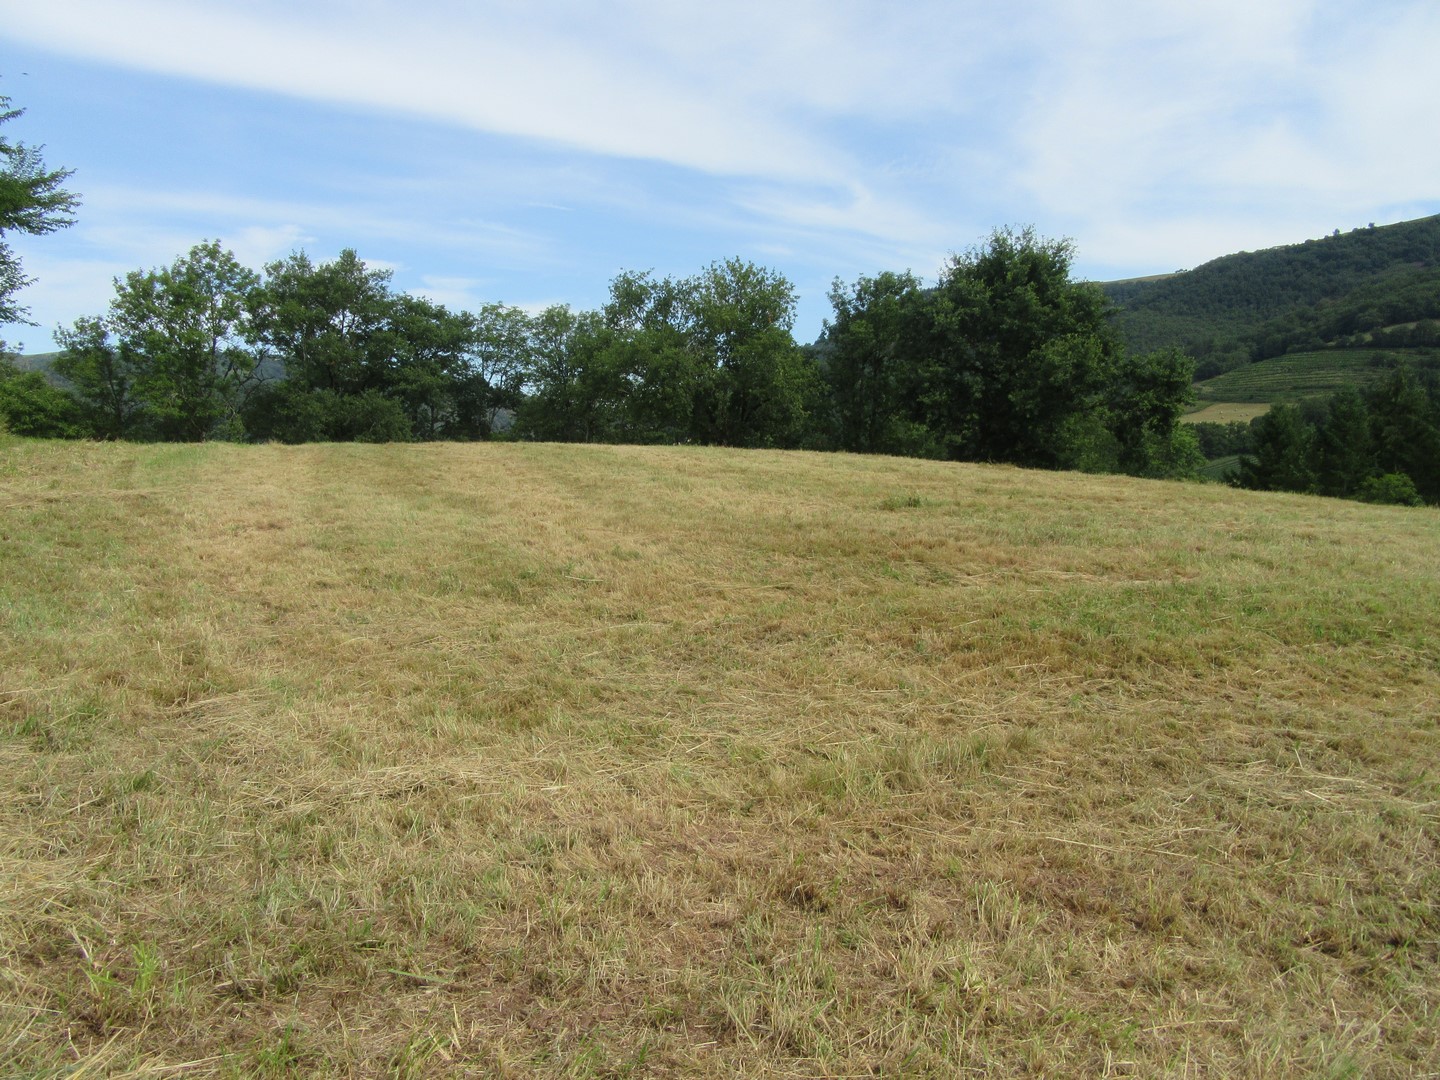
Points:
x=539 y=760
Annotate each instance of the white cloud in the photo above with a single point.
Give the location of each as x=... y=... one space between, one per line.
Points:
x=489 y=70
x=456 y=293
x=1198 y=129
x=271 y=228
x=846 y=134
x=256 y=245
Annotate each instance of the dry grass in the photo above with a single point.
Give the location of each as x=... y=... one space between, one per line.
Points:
x=1226 y=412
x=566 y=761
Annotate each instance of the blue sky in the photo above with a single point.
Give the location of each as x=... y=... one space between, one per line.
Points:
x=527 y=152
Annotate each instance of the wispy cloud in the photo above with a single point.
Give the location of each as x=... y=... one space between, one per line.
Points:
x=496 y=69
x=270 y=228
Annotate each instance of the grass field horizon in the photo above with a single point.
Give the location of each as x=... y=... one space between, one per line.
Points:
x=541 y=760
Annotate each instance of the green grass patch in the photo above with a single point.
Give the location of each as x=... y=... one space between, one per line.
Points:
x=1225 y=412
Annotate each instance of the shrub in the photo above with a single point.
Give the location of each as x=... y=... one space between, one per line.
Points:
x=1396 y=489
x=31 y=406
x=287 y=412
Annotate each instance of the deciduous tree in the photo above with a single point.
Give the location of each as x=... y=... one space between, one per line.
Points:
x=102 y=375
x=29 y=405
x=185 y=329
x=754 y=380
x=1148 y=393
x=876 y=365
x=1281 y=460
x=32 y=201
x=1407 y=431
x=326 y=322
x=1022 y=352
x=1344 y=448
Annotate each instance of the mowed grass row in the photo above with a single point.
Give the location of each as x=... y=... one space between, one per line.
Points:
x=1225 y=412
x=1313 y=374
x=528 y=760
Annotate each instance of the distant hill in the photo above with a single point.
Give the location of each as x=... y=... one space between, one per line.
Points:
x=44 y=363
x=1372 y=287
x=34 y=362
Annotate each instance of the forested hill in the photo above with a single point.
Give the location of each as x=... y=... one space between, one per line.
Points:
x=1372 y=286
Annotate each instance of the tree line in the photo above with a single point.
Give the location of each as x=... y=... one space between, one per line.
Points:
x=1382 y=446
x=1006 y=359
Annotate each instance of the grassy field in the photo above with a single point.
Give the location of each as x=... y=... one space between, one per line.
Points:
x=1300 y=375
x=1225 y=412
x=528 y=760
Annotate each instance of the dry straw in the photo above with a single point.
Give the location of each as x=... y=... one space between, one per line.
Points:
x=581 y=761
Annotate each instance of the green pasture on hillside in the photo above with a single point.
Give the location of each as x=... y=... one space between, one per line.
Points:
x=1296 y=376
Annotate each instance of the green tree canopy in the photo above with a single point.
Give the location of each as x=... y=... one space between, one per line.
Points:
x=708 y=358
x=185 y=331
x=102 y=374
x=874 y=363
x=29 y=405
x=567 y=400
x=327 y=322
x=1281 y=458
x=754 y=379
x=1405 y=420
x=1344 y=447
x=1006 y=359
x=32 y=201
x=1147 y=395
x=1022 y=351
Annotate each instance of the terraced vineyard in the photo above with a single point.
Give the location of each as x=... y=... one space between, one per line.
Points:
x=1311 y=374
x=1221 y=468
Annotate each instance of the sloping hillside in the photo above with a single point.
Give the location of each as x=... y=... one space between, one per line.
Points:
x=34 y=362
x=537 y=760
x=1341 y=289
x=1297 y=376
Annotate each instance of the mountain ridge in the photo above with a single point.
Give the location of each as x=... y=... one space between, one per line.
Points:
x=1335 y=291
